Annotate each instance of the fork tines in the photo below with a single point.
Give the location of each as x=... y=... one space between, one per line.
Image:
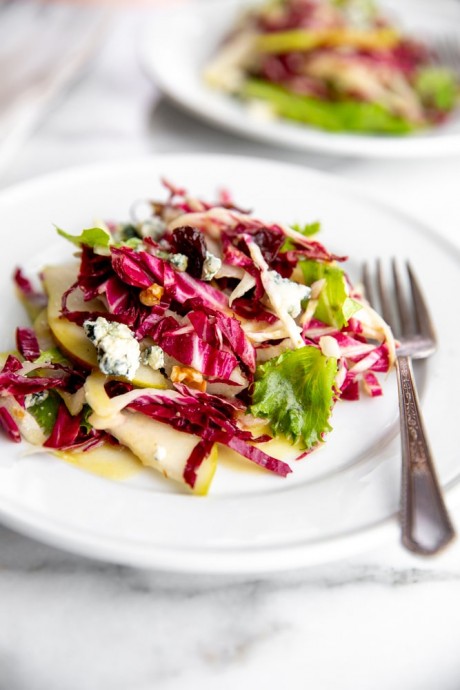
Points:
x=447 y=52
x=398 y=297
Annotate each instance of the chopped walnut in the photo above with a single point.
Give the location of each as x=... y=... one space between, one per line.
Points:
x=158 y=208
x=190 y=376
x=151 y=295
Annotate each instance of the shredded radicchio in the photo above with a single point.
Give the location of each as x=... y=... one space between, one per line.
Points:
x=69 y=434
x=208 y=333
x=35 y=298
x=210 y=418
x=14 y=383
x=27 y=343
x=9 y=426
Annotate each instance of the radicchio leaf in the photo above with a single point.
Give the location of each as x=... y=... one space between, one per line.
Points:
x=9 y=426
x=27 y=343
x=12 y=364
x=95 y=270
x=69 y=432
x=211 y=418
x=36 y=300
x=124 y=301
x=269 y=242
x=12 y=383
x=235 y=338
x=252 y=310
x=142 y=269
x=184 y=344
x=194 y=461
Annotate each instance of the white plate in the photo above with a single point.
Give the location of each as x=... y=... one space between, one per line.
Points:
x=181 y=41
x=342 y=498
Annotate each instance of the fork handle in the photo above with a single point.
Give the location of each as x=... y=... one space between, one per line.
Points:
x=425 y=522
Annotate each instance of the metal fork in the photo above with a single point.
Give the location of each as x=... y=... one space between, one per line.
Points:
x=447 y=52
x=426 y=526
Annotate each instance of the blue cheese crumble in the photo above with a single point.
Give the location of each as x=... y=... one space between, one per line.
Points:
x=152 y=227
x=153 y=357
x=211 y=265
x=35 y=399
x=179 y=261
x=289 y=294
x=118 y=351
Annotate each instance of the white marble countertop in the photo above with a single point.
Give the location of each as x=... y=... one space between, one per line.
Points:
x=383 y=620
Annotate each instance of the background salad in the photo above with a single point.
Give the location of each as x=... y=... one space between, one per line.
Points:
x=335 y=64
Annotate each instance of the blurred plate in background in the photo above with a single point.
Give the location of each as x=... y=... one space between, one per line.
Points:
x=181 y=41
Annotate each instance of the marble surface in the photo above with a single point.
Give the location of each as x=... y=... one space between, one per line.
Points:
x=383 y=620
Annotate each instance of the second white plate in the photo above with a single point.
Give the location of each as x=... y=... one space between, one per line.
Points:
x=181 y=40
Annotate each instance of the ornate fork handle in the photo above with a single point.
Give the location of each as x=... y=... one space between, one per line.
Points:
x=426 y=527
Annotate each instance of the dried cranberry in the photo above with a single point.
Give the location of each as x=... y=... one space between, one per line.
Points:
x=190 y=242
x=269 y=242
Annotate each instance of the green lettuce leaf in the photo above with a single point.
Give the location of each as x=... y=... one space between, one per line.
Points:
x=132 y=243
x=334 y=116
x=51 y=356
x=84 y=422
x=334 y=308
x=92 y=237
x=129 y=236
x=295 y=392
x=350 y=307
x=437 y=87
x=308 y=229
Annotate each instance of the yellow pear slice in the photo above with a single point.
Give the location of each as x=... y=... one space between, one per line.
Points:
x=43 y=331
x=163 y=448
x=156 y=444
x=70 y=336
x=110 y=462
x=146 y=377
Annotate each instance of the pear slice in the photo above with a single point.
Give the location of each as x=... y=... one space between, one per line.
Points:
x=146 y=377
x=28 y=426
x=155 y=443
x=71 y=337
x=107 y=461
x=163 y=448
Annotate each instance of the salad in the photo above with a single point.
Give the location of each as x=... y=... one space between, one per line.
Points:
x=195 y=326
x=339 y=65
